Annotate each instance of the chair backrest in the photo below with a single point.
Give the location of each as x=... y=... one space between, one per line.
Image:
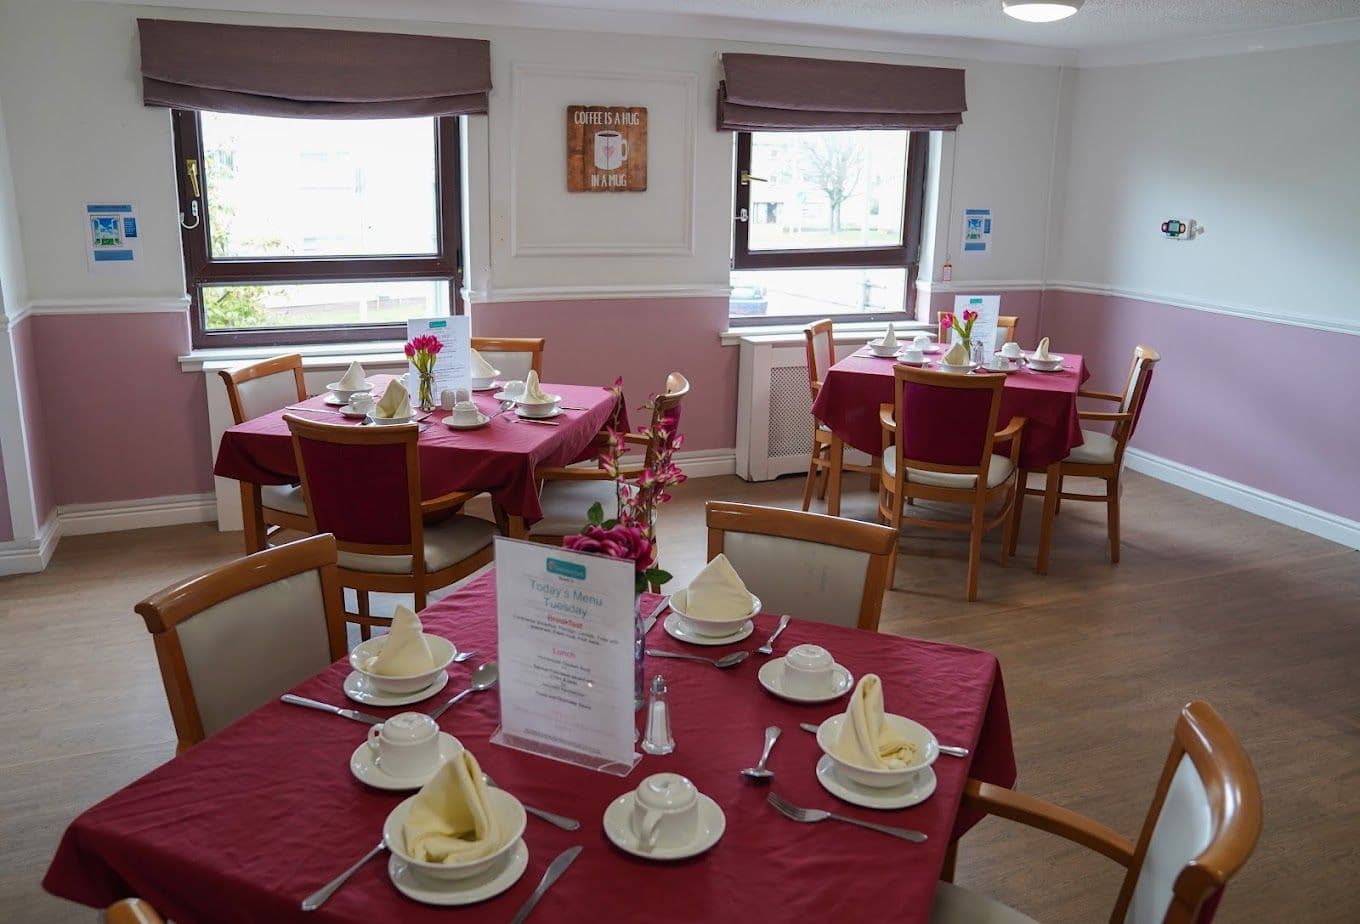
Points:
x=1200 y=830
x=255 y=390
x=231 y=639
x=131 y=911
x=1005 y=325
x=808 y=565
x=945 y=421
x=513 y=356
x=1135 y=390
x=666 y=411
x=821 y=352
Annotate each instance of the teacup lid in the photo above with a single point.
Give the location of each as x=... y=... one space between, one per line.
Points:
x=666 y=791
x=409 y=726
x=808 y=657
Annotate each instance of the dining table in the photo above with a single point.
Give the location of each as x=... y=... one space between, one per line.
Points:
x=499 y=458
x=858 y=385
x=244 y=825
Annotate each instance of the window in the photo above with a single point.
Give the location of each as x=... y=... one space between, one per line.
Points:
x=826 y=223
x=311 y=230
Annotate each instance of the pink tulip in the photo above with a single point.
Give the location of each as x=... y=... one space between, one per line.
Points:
x=946 y=321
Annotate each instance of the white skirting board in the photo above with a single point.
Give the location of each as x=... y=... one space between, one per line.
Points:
x=29 y=556
x=1329 y=526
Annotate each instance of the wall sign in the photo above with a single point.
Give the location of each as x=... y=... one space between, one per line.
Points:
x=606 y=148
x=111 y=234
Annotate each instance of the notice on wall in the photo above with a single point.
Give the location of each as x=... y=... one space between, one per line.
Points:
x=453 y=362
x=112 y=237
x=606 y=148
x=565 y=636
x=977 y=232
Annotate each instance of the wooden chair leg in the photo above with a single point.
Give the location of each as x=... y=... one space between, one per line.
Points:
x=1052 y=488
x=1013 y=535
x=813 y=471
x=252 y=518
x=833 y=503
x=1057 y=505
x=1112 y=517
x=1006 y=529
x=877 y=462
x=974 y=553
x=951 y=858
x=895 y=521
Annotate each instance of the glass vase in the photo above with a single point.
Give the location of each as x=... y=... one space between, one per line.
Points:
x=426 y=391
x=639 y=665
x=975 y=352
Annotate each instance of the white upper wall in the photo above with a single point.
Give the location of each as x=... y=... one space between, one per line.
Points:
x=1262 y=149
x=13 y=285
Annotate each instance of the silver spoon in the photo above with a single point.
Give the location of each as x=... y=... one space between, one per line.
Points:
x=318 y=898
x=483 y=678
x=464 y=656
x=768 y=647
x=758 y=772
x=949 y=749
x=726 y=661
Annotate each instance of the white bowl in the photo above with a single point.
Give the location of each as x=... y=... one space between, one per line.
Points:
x=1053 y=361
x=540 y=408
x=508 y=812
x=442 y=649
x=344 y=394
x=878 y=349
x=927 y=749
x=481 y=382
x=389 y=421
x=713 y=628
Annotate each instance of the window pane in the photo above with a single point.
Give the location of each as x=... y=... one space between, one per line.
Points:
x=827 y=189
x=322 y=304
x=319 y=188
x=817 y=292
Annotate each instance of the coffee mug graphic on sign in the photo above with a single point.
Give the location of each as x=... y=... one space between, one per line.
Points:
x=611 y=150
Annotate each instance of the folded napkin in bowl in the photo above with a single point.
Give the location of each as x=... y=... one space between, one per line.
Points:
x=481 y=369
x=717 y=592
x=533 y=392
x=405 y=653
x=450 y=820
x=865 y=739
x=1041 y=351
x=957 y=355
x=890 y=338
x=354 y=378
x=396 y=402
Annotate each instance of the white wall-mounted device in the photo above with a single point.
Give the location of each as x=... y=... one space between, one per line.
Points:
x=1178 y=230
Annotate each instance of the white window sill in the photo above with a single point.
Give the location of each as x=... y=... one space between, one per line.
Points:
x=845 y=332
x=314 y=356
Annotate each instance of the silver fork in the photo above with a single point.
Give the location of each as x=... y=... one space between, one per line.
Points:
x=768 y=647
x=562 y=821
x=811 y=816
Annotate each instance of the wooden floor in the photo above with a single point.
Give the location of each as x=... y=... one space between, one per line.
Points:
x=1261 y=620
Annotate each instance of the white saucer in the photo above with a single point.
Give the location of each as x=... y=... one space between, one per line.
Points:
x=557 y=412
x=1033 y=368
x=352 y=412
x=358 y=689
x=675 y=627
x=494 y=386
x=333 y=401
x=933 y=348
x=771 y=677
x=957 y=370
x=366 y=769
x=482 y=421
x=618 y=828
x=502 y=396
x=911 y=362
x=1052 y=357
x=459 y=891
x=1009 y=371
x=918 y=790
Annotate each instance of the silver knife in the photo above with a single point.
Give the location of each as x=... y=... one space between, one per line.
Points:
x=555 y=869
x=354 y=714
x=650 y=621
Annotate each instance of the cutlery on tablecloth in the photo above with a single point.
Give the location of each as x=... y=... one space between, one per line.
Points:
x=726 y=661
x=562 y=821
x=649 y=621
x=483 y=678
x=546 y=423
x=555 y=869
x=759 y=773
x=949 y=749
x=354 y=714
x=768 y=647
x=812 y=816
x=318 y=898
x=313 y=410
x=464 y=656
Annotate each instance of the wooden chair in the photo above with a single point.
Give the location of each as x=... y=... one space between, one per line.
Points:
x=1199 y=831
x=362 y=484
x=1101 y=455
x=938 y=437
x=233 y=638
x=513 y=356
x=809 y=565
x=1004 y=324
x=565 y=494
x=132 y=911
x=827 y=463
x=254 y=391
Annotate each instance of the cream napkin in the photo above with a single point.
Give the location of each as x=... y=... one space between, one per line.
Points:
x=865 y=739
x=396 y=401
x=1041 y=352
x=450 y=820
x=481 y=369
x=533 y=392
x=354 y=378
x=405 y=652
x=890 y=338
x=957 y=355
x=717 y=592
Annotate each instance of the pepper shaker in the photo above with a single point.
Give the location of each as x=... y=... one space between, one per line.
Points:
x=657 y=739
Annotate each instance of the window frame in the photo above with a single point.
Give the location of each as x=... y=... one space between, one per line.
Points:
x=202 y=269
x=905 y=255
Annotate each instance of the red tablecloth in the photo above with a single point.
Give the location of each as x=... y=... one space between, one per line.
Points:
x=855 y=387
x=499 y=458
x=246 y=824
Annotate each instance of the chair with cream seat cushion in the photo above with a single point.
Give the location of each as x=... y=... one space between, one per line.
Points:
x=253 y=391
x=938 y=437
x=827 y=464
x=233 y=638
x=1199 y=831
x=807 y=565
x=362 y=484
x=514 y=357
x=132 y=911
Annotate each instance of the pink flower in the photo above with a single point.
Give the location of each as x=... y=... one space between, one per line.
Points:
x=970 y=315
x=410 y=349
x=946 y=321
x=622 y=541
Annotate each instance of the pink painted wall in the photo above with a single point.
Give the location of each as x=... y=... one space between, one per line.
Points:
x=593 y=342
x=34 y=403
x=120 y=419
x=1024 y=304
x=1269 y=405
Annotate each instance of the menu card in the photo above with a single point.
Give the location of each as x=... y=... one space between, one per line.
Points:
x=453 y=363
x=565 y=636
x=988 y=308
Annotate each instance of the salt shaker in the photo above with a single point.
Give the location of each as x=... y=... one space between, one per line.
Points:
x=657 y=739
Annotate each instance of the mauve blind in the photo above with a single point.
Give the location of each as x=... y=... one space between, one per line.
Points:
x=774 y=93
x=311 y=73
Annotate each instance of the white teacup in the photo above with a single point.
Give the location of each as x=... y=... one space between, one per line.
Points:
x=913 y=354
x=921 y=343
x=665 y=811
x=808 y=670
x=513 y=387
x=998 y=363
x=406 y=745
x=1011 y=350
x=362 y=401
x=465 y=414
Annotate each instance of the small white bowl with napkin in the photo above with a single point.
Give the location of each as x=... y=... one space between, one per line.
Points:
x=872 y=747
x=483 y=373
x=887 y=345
x=352 y=383
x=1044 y=360
x=404 y=660
x=535 y=402
x=716 y=603
x=957 y=359
x=394 y=407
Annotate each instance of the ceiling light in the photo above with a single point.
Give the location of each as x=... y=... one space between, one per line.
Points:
x=1040 y=10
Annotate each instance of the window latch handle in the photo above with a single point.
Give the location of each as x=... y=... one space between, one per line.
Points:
x=743 y=215
x=747 y=179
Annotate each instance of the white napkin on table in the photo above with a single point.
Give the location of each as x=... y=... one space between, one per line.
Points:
x=717 y=592
x=406 y=651
x=354 y=378
x=450 y=820
x=533 y=392
x=396 y=401
x=481 y=369
x=890 y=338
x=957 y=355
x=1041 y=351
x=865 y=739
